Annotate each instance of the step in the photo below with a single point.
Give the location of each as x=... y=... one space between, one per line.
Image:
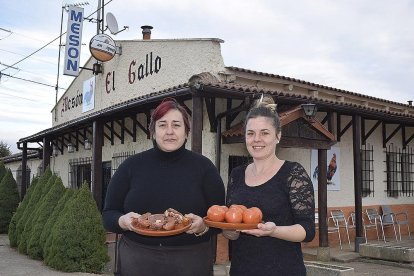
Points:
x=387 y=252
x=324 y=269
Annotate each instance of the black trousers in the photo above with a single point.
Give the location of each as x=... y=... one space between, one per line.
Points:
x=136 y=259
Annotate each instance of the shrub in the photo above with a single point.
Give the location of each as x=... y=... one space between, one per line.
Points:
x=26 y=226
x=19 y=213
x=45 y=238
x=32 y=199
x=3 y=170
x=9 y=200
x=78 y=238
x=43 y=212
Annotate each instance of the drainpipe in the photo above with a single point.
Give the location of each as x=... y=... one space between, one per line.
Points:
x=242 y=107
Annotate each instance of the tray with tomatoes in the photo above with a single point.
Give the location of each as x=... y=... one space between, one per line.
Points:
x=235 y=217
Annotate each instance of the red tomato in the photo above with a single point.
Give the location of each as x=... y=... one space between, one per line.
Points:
x=216 y=213
x=242 y=207
x=252 y=215
x=234 y=215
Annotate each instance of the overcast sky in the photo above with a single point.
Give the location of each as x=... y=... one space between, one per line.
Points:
x=363 y=46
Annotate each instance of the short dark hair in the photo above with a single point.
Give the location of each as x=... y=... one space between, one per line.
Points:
x=166 y=105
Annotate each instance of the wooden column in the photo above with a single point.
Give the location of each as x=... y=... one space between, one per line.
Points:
x=356 y=135
x=197 y=125
x=97 y=162
x=322 y=198
x=47 y=152
x=23 y=186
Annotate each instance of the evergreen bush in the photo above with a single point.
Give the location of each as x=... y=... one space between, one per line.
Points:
x=27 y=231
x=78 y=238
x=3 y=170
x=19 y=213
x=32 y=199
x=9 y=200
x=43 y=212
x=45 y=238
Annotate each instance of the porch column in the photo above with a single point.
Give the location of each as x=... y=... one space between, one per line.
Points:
x=323 y=253
x=97 y=162
x=24 y=174
x=197 y=125
x=356 y=136
x=47 y=151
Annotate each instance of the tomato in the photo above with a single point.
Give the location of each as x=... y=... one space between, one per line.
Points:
x=242 y=207
x=252 y=215
x=216 y=213
x=234 y=215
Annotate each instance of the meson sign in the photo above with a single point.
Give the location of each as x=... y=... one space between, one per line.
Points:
x=73 y=41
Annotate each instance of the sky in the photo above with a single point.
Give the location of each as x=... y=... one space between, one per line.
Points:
x=362 y=46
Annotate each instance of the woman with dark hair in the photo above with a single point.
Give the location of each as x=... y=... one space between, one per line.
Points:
x=282 y=190
x=166 y=176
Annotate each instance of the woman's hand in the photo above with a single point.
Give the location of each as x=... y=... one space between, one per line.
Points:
x=231 y=234
x=197 y=224
x=263 y=229
x=126 y=220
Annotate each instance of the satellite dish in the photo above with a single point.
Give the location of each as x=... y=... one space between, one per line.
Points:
x=112 y=23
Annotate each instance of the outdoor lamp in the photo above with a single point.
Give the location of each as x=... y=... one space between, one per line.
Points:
x=309 y=109
x=55 y=151
x=88 y=144
x=70 y=148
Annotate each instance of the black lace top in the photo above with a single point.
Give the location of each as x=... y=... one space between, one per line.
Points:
x=286 y=199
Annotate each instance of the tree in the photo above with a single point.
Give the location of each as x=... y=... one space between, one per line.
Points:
x=4 y=149
x=78 y=237
x=9 y=200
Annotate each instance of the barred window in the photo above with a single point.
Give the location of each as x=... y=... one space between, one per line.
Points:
x=399 y=171
x=235 y=161
x=80 y=171
x=118 y=158
x=367 y=158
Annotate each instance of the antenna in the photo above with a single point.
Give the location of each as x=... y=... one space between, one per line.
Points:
x=112 y=23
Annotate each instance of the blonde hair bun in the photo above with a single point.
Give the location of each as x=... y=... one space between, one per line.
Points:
x=266 y=101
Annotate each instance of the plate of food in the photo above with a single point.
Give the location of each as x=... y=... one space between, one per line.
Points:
x=230 y=225
x=171 y=222
x=235 y=217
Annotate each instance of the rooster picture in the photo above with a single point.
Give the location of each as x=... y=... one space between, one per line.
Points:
x=331 y=169
x=332 y=166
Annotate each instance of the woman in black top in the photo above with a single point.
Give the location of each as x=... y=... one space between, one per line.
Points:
x=284 y=193
x=166 y=176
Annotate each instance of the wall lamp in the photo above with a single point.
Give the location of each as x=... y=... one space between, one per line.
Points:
x=55 y=151
x=88 y=144
x=309 y=109
x=70 y=148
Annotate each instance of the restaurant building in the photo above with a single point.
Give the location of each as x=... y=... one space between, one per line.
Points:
x=357 y=149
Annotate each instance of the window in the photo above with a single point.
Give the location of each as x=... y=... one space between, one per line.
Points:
x=79 y=172
x=118 y=158
x=235 y=161
x=399 y=171
x=367 y=160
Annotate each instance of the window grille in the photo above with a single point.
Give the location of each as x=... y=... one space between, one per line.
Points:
x=118 y=158
x=367 y=158
x=235 y=161
x=80 y=171
x=399 y=171
x=19 y=178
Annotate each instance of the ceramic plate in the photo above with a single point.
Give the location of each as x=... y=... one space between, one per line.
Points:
x=160 y=233
x=230 y=226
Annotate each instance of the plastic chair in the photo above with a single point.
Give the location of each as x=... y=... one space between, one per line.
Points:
x=340 y=221
x=366 y=226
x=375 y=217
x=399 y=219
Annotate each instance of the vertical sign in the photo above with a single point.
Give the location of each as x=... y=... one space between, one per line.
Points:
x=88 y=95
x=73 y=41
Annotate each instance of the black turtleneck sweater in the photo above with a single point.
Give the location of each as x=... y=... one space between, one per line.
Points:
x=153 y=181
